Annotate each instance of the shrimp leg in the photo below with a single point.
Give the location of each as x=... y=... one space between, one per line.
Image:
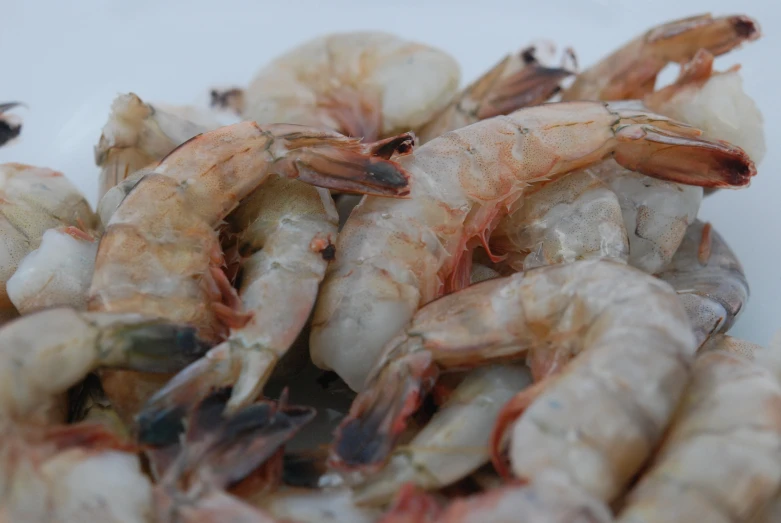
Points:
x=627 y=329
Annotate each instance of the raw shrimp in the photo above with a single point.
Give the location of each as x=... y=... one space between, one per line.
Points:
x=625 y=328
x=56 y=274
x=285 y=234
x=720 y=461
x=714 y=102
x=394 y=256
x=630 y=72
x=709 y=280
x=33 y=200
x=548 y=500
x=44 y=354
x=454 y=443
x=362 y=84
x=519 y=80
x=160 y=254
x=10 y=127
x=219 y=451
x=138 y=135
x=71 y=473
x=573 y=218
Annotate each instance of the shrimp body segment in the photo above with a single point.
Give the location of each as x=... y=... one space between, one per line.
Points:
x=394 y=256
x=630 y=72
x=625 y=329
x=161 y=255
x=729 y=411
x=138 y=135
x=56 y=274
x=357 y=83
x=33 y=200
x=709 y=280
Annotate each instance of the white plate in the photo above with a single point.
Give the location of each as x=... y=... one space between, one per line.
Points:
x=67 y=61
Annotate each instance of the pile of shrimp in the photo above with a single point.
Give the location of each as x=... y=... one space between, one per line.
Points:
x=378 y=296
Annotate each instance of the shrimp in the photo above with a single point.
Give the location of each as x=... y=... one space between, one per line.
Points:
x=56 y=274
x=137 y=135
x=219 y=450
x=71 y=473
x=363 y=84
x=714 y=102
x=709 y=280
x=160 y=254
x=88 y=403
x=631 y=71
x=518 y=80
x=548 y=500
x=625 y=329
x=729 y=412
x=285 y=233
x=10 y=127
x=454 y=443
x=394 y=256
x=33 y=200
x=44 y=354
x=573 y=218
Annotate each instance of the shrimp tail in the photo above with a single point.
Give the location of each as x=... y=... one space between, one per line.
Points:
x=216 y=370
x=378 y=415
x=672 y=151
x=357 y=113
x=511 y=411
x=228 y=99
x=685 y=37
x=151 y=345
x=341 y=165
x=9 y=129
x=226 y=448
x=532 y=85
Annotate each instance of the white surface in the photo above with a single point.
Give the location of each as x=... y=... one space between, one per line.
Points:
x=67 y=61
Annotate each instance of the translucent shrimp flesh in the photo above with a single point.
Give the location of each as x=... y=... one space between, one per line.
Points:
x=627 y=331
x=394 y=256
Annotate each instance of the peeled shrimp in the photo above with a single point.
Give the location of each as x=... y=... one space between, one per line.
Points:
x=720 y=460
x=454 y=443
x=34 y=199
x=285 y=234
x=625 y=329
x=709 y=280
x=137 y=135
x=56 y=274
x=548 y=500
x=160 y=254
x=574 y=218
x=518 y=80
x=394 y=256
x=631 y=71
x=10 y=127
x=316 y=506
x=362 y=84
